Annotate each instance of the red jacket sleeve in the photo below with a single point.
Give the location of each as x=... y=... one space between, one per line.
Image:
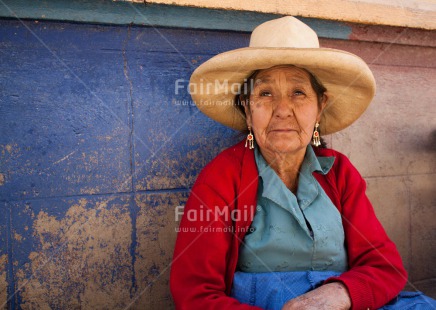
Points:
x=204 y=244
x=376 y=273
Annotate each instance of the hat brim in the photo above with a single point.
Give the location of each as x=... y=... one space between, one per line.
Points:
x=349 y=81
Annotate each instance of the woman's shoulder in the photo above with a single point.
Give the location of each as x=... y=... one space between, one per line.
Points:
x=327 y=152
x=232 y=156
x=342 y=165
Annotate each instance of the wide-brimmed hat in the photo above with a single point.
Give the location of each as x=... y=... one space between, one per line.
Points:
x=284 y=41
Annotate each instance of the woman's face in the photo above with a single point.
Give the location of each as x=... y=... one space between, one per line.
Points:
x=283 y=109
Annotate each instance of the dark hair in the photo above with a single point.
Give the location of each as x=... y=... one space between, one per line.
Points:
x=247 y=88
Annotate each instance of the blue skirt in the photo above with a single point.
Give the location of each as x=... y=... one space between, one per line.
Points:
x=271 y=290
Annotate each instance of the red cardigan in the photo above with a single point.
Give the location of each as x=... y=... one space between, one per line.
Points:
x=206 y=251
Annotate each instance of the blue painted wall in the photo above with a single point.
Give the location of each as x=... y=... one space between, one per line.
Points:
x=89 y=114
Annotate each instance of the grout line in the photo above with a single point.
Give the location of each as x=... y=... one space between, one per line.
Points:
x=400 y=66
x=130 y=112
x=134 y=209
x=397 y=175
x=122 y=194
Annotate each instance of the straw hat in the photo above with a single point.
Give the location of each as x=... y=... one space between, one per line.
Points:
x=349 y=82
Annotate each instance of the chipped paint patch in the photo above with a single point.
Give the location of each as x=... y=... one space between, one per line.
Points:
x=2 y=179
x=156 y=237
x=3 y=281
x=90 y=190
x=9 y=149
x=81 y=260
x=176 y=167
x=18 y=237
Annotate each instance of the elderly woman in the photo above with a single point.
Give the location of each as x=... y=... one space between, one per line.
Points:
x=274 y=222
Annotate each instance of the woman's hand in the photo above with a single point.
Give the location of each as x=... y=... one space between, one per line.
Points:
x=332 y=296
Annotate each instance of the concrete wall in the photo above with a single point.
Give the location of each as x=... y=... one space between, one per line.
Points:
x=97 y=150
x=404 y=13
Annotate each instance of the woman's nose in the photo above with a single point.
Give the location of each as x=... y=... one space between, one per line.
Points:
x=283 y=107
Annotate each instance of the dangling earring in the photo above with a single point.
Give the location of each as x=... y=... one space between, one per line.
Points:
x=316 y=140
x=250 y=140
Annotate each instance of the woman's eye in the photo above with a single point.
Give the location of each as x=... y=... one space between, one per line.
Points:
x=265 y=94
x=298 y=93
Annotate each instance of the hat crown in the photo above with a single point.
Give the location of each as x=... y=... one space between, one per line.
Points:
x=285 y=32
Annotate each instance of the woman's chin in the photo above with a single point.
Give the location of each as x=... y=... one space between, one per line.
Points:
x=286 y=146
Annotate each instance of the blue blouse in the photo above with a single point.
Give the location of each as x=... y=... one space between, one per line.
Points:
x=294 y=233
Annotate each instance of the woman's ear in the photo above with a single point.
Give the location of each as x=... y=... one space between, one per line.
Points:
x=246 y=104
x=322 y=105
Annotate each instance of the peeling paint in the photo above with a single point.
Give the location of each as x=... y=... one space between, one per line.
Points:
x=176 y=168
x=2 y=179
x=156 y=238
x=90 y=190
x=18 y=237
x=3 y=281
x=82 y=260
x=8 y=148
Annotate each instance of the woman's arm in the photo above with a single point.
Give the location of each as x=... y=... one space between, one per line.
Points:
x=376 y=273
x=330 y=296
x=201 y=256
